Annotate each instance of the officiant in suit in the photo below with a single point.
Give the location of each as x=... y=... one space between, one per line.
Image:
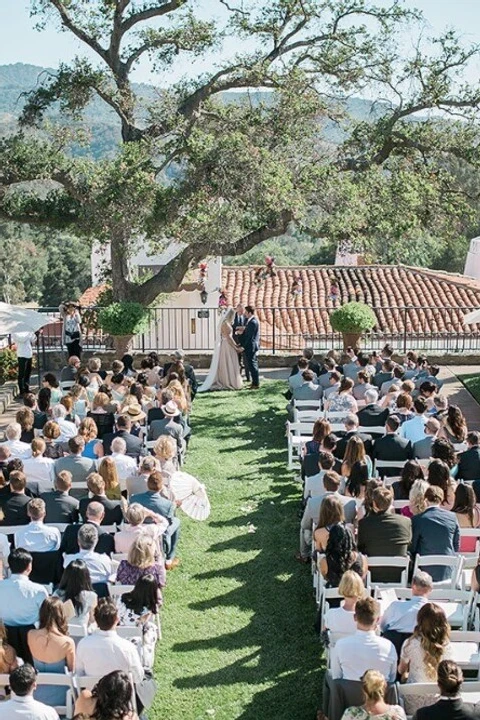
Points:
x=251 y=346
x=239 y=324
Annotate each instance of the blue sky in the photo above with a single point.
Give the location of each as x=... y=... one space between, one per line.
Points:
x=19 y=42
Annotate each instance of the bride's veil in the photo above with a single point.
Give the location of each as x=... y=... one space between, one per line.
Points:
x=212 y=373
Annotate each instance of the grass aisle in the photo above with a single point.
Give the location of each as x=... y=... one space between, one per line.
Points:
x=237 y=624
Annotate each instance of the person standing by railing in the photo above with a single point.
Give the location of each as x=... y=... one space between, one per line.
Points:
x=72 y=328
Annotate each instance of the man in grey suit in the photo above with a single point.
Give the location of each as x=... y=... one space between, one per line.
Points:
x=296 y=380
x=331 y=483
x=60 y=506
x=422 y=449
x=329 y=367
x=80 y=467
x=307 y=391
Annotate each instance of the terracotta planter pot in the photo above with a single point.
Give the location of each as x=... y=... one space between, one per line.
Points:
x=351 y=340
x=121 y=344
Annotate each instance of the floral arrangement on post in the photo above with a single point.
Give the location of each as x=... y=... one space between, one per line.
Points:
x=122 y=321
x=268 y=270
x=352 y=320
x=222 y=300
x=202 y=275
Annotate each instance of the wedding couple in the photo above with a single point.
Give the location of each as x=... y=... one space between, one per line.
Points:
x=224 y=373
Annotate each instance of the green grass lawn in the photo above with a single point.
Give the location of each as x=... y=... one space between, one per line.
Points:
x=472 y=383
x=238 y=639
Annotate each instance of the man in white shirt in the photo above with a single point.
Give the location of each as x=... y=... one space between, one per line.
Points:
x=23 y=341
x=104 y=651
x=36 y=536
x=401 y=615
x=126 y=466
x=98 y=564
x=67 y=429
x=20 y=599
x=22 y=705
x=314 y=484
x=414 y=429
x=354 y=655
x=17 y=448
x=38 y=468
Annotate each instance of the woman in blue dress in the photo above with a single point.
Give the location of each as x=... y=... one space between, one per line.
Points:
x=53 y=651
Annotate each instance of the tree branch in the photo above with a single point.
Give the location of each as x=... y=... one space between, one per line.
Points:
x=78 y=32
x=170 y=277
x=149 y=13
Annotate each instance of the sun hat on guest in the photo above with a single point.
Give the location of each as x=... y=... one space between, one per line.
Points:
x=135 y=413
x=170 y=409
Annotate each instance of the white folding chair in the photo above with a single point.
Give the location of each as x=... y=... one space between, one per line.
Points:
x=455 y=562
x=307 y=404
x=66 y=385
x=10 y=529
x=389 y=465
x=306 y=416
x=297 y=435
x=117 y=591
x=130 y=631
x=460 y=447
x=385 y=562
x=466 y=649
x=57 y=679
x=336 y=416
x=456 y=604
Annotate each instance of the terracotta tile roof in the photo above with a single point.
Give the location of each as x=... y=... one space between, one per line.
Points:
x=90 y=296
x=437 y=300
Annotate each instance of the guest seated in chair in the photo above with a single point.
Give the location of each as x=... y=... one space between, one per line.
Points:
x=374 y=687
x=450 y=706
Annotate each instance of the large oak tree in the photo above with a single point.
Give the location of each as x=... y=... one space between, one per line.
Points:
x=219 y=173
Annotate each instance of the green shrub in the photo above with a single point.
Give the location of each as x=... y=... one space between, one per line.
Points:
x=123 y=318
x=354 y=317
x=8 y=365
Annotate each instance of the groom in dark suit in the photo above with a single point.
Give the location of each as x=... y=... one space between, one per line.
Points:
x=239 y=324
x=251 y=345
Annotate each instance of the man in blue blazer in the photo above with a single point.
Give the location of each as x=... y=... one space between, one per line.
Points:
x=251 y=345
x=435 y=531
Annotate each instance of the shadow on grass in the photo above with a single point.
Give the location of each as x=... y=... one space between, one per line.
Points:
x=284 y=661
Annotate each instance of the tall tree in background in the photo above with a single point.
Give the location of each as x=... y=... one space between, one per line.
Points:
x=220 y=176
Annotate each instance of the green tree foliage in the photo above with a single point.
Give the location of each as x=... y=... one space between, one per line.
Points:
x=221 y=177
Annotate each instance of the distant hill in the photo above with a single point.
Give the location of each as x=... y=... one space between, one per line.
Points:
x=101 y=121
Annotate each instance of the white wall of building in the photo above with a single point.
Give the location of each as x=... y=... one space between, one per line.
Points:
x=472 y=263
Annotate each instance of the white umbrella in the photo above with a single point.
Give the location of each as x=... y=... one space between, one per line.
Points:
x=472 y=318
x=15 y=319
x=191 y=494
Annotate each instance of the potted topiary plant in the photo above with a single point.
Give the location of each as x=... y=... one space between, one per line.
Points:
x=352 y=320
x=122 y=321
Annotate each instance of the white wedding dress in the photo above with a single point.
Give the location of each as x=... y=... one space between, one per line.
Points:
x=224 y=373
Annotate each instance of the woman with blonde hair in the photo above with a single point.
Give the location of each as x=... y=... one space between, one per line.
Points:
x=374 y=687
x=165 y=453
x=424 y=650
x=354 y=453
x=416 y=500
x=143 y=559
x=89 y=432
x=342 y=619
x=179 y=396
x=80 y=399
x=224 y=373
x=108 y=470
x=39 y=468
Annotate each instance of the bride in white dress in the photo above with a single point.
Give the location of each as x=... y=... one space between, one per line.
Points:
x=224 y=373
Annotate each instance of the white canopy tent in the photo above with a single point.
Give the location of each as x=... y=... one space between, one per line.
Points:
x=16 y=319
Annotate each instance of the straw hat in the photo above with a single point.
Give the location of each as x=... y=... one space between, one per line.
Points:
x=170 y=409
x=135 y=412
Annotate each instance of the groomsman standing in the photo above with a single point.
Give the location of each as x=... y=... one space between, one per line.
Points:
x=239 y=324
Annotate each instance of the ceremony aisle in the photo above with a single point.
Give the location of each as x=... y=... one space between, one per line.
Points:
x=238 y=639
